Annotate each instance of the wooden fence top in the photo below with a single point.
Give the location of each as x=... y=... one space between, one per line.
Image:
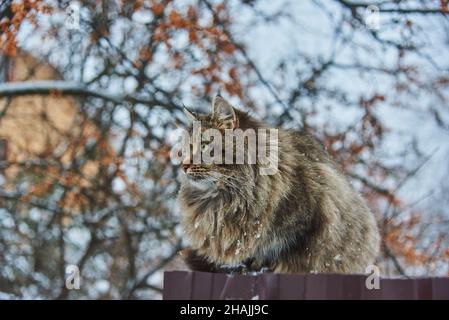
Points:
x=184 y=285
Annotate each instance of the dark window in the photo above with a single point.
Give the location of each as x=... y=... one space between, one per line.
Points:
x=5 y=69
x=3 y=149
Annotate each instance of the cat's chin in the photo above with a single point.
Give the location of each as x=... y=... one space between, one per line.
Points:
x=201 y=184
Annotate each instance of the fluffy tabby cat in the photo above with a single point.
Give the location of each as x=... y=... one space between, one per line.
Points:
x=305 y=218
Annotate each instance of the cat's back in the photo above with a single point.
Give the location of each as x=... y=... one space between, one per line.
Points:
x=328 y=217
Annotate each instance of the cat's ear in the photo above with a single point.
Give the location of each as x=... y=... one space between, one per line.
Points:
x=190 y=116
x=224 y=113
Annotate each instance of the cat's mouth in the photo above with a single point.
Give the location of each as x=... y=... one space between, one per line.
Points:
x=194 y=169
x=200 y=179
x=196 y=176
x=195 y=172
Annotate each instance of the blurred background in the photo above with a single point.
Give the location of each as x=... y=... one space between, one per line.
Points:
x=91 y=96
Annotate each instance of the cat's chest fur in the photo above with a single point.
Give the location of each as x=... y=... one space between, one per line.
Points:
x=224 y=229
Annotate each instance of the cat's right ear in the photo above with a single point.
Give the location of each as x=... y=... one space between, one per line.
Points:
x=224 y=113
x=190 y=116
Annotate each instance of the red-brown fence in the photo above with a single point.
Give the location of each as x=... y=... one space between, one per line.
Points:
x=180 y=285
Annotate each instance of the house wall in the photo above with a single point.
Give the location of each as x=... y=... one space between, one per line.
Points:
x=47 y=127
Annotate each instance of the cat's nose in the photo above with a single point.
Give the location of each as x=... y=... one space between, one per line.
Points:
x=185 y=166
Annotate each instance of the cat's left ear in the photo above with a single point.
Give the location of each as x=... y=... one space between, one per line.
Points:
x=190 y=116
x=224 y=113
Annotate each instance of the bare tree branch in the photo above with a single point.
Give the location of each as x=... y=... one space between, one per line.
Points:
x=52 y=86
x=142 y=281
x=44 y=87
x=356 y=5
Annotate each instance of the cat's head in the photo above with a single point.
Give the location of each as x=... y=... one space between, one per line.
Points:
x=202 y=165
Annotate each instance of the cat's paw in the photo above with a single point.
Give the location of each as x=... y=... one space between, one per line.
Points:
x=197 y=262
